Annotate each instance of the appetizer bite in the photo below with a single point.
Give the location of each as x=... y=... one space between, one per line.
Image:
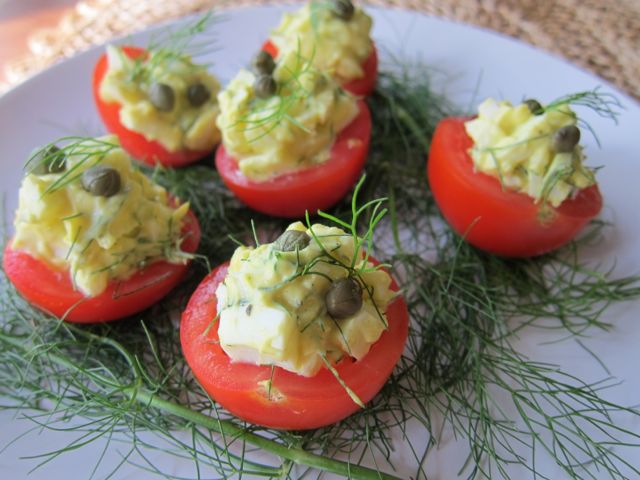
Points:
x=298 y=333
x=336 y=35
x=95 y=240
x=292 y=139
x=159 y=103
x=512 y=179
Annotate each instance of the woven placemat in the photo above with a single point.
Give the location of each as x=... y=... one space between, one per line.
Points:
x=600 y=36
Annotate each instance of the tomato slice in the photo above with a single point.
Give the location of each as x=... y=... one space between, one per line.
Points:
x=51 y=290
x=296 y=402
x=359 y=86
x=318 y=187
x=499 y=221
x=147 y=151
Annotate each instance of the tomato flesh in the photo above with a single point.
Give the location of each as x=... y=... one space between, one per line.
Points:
x=501 y=222
x=147 y=151
x=318 y=187
x=296 y=402
x=52 y=291
x=359 y=86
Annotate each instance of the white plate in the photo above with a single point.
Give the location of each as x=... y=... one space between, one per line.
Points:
x=58 y=102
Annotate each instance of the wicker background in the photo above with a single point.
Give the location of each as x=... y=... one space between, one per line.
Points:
x=602 y=36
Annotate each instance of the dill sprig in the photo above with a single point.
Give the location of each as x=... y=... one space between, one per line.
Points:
x=266 y=114
x=605 y=105
x=83 y=149
x=194 y=39
x=462 y=370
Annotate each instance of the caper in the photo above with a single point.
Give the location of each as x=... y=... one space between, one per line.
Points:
x=343 y=9
x=161 y=96
x=534 y=106
x=49 y=160
x=321 y=83
x=344 y=298
x=101 y=181
x=198 y=94
x=291 y=240
x=566 y=138
x=265 y=86
x=263 y=63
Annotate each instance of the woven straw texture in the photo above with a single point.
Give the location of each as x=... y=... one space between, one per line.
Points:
x=598 y=35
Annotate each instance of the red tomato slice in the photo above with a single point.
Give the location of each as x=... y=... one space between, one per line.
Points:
x=147 y=151
x=499 y=221
x=318 y=187
x=359 y=86
x=296 y=402
x=51 y=290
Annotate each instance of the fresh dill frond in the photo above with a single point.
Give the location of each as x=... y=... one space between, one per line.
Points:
x=604 y=104
x=194 y=39
x=364 y=242
x=266 y=114
x=88 y=150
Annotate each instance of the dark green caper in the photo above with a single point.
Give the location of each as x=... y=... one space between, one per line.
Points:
x=161 y=96
x=344 y=298
x=566 y=138
x=343 y=9
x=48 y=160
x=263 y=63
x=321 y=83
x=198 y=94
x=291 y=240
x=534 y=106
x=265 y=86
x=101 y=181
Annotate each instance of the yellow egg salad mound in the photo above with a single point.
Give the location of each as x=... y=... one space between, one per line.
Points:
x=531 y=149
x=337 y=45
x=289 y=304
x=290 y=130
x=172 y=102
x=97 y=238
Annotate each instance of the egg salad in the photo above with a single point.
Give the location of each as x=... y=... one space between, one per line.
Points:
x=87 y=210
x=287 y=121
x=166 y=98
x=297 y=303
x=531 y=149
x=335 y=34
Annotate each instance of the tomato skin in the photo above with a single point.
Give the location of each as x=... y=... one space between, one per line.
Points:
x=297 y=402
x=359 y=86
x=501 y=222
x=148 y=151
x=318 y=187
x=51 y=290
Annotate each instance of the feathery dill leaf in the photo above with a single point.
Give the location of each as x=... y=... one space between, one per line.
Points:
x=265 y=114
x=194 y=39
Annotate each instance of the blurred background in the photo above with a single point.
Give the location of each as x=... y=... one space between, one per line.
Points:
x=600 y=36
x=19 y=18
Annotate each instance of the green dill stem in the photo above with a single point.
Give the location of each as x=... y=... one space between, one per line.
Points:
x=225 y=427
x=293 y=454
